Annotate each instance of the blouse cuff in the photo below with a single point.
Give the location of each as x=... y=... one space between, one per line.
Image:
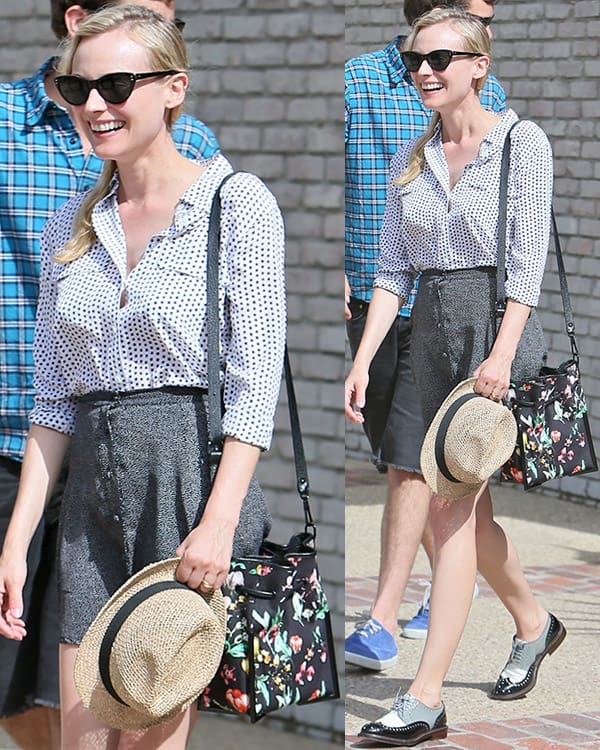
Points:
x=57 y=417
x=394 y=284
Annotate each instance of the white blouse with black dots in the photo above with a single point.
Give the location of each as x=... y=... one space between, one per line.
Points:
x=86 y=340
x=427 y=225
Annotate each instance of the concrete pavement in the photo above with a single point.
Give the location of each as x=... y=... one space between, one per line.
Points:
x=233 y=733
x=559 y=546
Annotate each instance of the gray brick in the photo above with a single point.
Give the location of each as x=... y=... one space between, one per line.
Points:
x=246 y=26
x=292 y=25
x=263 y=52
x=263 y=109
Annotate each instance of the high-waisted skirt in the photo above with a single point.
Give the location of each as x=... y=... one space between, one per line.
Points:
x=453 y=332
x=139 y=479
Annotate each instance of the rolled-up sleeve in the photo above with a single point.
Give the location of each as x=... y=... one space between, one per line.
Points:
x=530 y=201
x=395 y=273
x=54 y=405
x=256 y=309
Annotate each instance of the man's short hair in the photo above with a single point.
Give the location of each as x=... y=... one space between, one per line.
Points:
x=413 y=9
x=58 y=8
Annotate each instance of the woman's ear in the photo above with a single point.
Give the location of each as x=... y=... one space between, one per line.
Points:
x=177 y=84
x=74 y=15
x=482 y=66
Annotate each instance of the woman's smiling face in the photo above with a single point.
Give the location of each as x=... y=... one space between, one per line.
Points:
x=440 y=89
x=120 y=130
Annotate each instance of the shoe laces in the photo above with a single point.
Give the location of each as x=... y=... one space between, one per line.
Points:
x=516 y=658
x=367 y=627
x=517 y=650
x=404 y=704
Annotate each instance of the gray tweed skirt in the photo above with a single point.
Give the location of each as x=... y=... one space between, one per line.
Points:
x=139 y=479
x=453 y=332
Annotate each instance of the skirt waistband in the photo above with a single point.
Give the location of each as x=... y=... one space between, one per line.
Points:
x=165 y=394
x=470 y=272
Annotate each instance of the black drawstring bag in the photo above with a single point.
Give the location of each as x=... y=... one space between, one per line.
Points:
x=279 y=645
x=554 y=438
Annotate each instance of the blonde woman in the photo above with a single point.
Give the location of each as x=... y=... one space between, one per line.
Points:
x=441 y=221
x=121 y=360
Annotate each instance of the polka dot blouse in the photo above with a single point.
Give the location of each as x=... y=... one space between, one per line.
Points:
x=427 y=225
x=86 y=340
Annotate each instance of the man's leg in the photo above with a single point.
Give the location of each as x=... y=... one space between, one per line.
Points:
x=32 y=728
x=394 y=426
x=35 y=729
x=403 y=524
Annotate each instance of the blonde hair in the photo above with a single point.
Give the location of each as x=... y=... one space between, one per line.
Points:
x=476 y=39
x=166 y=51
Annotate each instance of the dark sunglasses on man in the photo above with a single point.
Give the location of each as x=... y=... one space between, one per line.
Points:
x=114 y=88
x=485 y=20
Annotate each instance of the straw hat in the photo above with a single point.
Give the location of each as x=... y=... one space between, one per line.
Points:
x=469 y=438
x=157 y=644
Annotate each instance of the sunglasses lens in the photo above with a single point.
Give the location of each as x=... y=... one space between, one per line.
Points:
x=116 y=87
x=73 y=89
x=412 y=61
x=439 y=59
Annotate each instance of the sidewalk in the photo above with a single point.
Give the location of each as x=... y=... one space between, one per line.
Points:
x=559 y=546
x=233 y=733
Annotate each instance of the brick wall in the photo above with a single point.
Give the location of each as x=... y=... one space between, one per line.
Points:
x=547 y=58
x=267 y=78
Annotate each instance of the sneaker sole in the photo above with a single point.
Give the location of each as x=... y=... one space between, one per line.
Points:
x=415 y=635
x=560 y=637
x=376 y=665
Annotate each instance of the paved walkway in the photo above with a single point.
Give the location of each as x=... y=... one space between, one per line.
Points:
x=233 y=733
x=559 y=546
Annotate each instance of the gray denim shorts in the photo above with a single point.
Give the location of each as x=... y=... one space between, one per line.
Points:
x=139 y=479
x=453 y=332
x=29 y=668
x=393 y=421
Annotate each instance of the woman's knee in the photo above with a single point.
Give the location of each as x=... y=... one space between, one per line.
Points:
x=449 y=518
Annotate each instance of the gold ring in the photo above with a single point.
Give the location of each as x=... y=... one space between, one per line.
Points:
x=206 y=584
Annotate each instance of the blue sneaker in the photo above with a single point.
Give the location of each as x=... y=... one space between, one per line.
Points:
x=371 y=646
x=417 y=627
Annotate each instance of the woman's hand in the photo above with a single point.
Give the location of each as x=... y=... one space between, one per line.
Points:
x=355 y=393
x=493 y=378
x=12 y=580
x=206 y=554
x=206 y=551
x=493 y=374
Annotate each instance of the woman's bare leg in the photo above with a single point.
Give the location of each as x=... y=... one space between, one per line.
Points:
x=170 y=735
x=80 y=728
x=453 y=527
x=82 y=731
x=499 y=564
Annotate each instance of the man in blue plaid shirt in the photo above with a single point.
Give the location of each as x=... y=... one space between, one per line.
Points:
x=44 y=161
x=383 y=111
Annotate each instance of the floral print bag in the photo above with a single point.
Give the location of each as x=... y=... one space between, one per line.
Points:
x=554 y=438
x=279 y=644
x=279 y=647
x=553 y=431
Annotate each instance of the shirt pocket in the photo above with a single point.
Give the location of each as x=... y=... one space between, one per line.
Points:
x=173 y=289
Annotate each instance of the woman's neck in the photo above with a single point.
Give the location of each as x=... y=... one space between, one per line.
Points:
x=467 y=123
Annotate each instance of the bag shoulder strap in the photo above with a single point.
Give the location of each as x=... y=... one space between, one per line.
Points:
x=215 y=427
x=501 y=262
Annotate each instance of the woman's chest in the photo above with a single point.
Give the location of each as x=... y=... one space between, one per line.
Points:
x=167 y=288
